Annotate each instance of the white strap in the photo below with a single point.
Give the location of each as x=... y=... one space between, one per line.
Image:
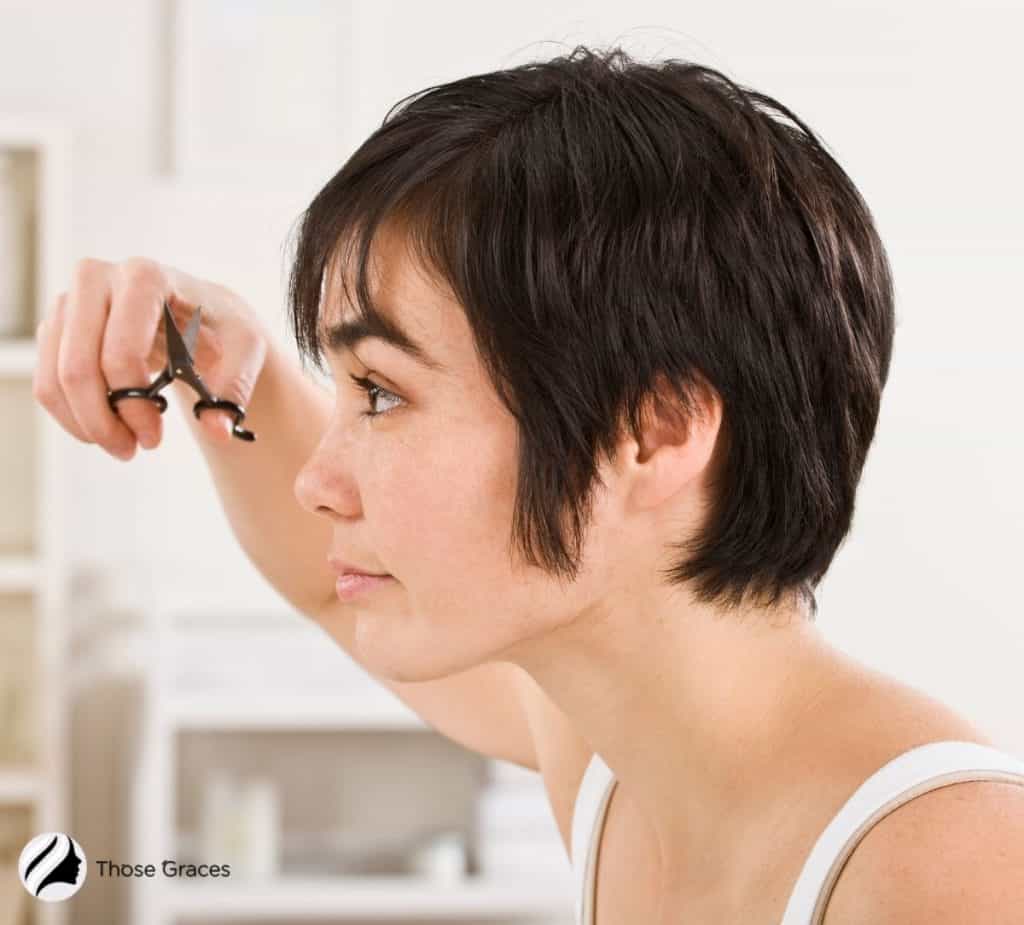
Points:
x=587 y=822
x=926 y=767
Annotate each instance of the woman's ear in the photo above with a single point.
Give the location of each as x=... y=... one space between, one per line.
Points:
x=675 y=447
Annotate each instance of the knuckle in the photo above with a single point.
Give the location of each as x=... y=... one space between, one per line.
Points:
x=140 y=272
x=86 y=268
x=119 y=367
x=236 y=388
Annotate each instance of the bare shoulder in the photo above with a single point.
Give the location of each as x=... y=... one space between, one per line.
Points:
x=951 y=855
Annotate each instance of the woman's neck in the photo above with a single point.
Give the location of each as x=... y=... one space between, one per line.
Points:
x=692 y=710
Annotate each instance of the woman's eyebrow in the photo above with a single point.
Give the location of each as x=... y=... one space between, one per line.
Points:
x=346 y=334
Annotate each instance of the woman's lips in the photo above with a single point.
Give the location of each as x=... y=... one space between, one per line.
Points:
x=355 y=583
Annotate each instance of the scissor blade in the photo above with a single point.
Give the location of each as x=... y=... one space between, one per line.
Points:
x=177 y=352
x=180 y=360
x=191 y=332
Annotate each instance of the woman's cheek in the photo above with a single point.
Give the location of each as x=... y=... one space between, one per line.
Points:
x=407 y=478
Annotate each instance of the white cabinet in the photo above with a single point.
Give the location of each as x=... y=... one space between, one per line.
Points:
x=33 y=720
x=362 y=787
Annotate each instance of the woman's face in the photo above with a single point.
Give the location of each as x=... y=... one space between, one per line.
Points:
x=424 y=491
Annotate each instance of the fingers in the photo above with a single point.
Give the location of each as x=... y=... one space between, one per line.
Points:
x=127 y=340
x=46 y=387
x=78 y=360
x=101 y=335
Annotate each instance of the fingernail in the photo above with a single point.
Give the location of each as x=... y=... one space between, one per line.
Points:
x=147 y=439
x=126 y=453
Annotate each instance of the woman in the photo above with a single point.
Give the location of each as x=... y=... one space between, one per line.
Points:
x=608 y=342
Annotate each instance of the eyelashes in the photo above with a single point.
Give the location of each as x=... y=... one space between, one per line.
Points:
x=373 y=392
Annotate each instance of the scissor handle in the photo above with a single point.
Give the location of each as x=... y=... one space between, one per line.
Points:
x=150 y=391
x=224 y=405
x=114 y=397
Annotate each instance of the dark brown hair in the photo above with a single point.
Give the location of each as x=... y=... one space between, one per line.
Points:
x=610 y=226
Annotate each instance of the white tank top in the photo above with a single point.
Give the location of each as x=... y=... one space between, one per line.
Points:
x=916 y=771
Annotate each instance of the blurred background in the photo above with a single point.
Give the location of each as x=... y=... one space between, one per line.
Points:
x=159 y=700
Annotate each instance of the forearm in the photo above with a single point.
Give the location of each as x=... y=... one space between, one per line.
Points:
x=288 y=412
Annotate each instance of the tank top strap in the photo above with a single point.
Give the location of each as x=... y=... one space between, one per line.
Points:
x=587 y=822
x=908 y=775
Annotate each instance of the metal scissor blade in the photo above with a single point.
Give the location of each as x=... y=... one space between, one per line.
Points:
x=178 y=356
x=191 y=332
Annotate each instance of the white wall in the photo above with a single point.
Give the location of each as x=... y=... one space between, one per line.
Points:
x=917 y=101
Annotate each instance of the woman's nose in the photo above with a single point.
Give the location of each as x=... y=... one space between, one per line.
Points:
x=323 y=484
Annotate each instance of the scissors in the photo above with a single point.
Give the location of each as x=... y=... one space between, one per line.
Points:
x=179 y=366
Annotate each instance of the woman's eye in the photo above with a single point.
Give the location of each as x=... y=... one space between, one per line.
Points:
x=373 y=393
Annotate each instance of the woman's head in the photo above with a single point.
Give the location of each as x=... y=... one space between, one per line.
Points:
x=606 y=244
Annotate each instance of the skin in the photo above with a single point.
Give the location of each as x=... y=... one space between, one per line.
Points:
x=425 y=492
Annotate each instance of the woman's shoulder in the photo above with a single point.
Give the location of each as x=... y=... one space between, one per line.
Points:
x=942 y=844
x=877 y=712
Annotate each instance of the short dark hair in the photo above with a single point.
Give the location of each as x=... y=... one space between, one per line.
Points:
x=611 y=227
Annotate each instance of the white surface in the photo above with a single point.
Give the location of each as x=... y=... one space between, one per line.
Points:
x=227 y=78
x=17 y=357
x=18 y=573
x=19 y=787
x=371 y=710
x=372 y=897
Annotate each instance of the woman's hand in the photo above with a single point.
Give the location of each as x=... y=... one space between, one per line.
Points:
x=105 y=332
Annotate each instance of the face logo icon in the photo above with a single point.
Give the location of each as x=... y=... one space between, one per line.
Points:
x=52 y=866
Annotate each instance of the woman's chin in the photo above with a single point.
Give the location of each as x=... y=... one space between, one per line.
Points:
x=403 y=656
x=387 y=646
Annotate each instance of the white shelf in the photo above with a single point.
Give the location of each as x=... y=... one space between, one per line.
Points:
x=300 y=898
x=18 y=574
x=18 y=786
x=43 y=787
x=327 y=711
x=17 y=357
x=40 y=130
